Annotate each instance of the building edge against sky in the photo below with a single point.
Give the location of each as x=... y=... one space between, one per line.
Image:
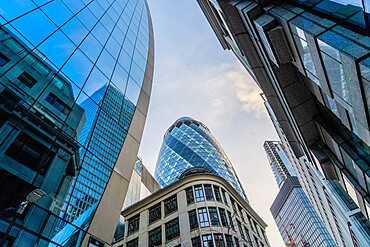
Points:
x=312 y=66
x=189 y=143
x=76 y=51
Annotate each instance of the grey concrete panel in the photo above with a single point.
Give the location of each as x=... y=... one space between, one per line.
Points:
x=304 y=112
x=296 y=94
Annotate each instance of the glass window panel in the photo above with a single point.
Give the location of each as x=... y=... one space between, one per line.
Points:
x=132 y=91
x=87 y=18
x=106 y=63
x=75 y=30
x=77 y=68
x=128 y=47
x=107 y=22
x=122 y=25
x=8 y=11
x=118 y=35
x=91 y=47
x=58 y=17
x=28 y=25
x=120 y=77
x=113 y=47
x=57 y=48
x=140 y=60
x=136 y=73
x=335 y=73
x=74 y=5
x=24 y=239
x=100 y=33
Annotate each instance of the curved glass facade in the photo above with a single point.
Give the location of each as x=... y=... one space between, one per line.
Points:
x=189 y=143
x=77 y=68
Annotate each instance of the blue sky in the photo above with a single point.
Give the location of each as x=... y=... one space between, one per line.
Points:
x=194 y=76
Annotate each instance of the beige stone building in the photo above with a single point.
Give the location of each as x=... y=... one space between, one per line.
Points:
x=200 y=209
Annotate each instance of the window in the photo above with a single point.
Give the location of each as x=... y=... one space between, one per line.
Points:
x=133 y=243
x=240 y=229
x=27 y=79
x=133 y=224
x=195 y=242
x=199 y=196
x=3 y=59
x=155 y=213
x=217 y=193
x=193 y=220
x=233 y=205
x=230 y=220
x=219 y=240
x=57 y=103
x=208 y=191
x=155 y=237
x=229 y=241
x=30 y=153
x=203 y=217
x=247 y=233
x=241 y=212
x=170 y=205
x=214 y=216
x=207 y=240
x=237 y=242
x=172 y=229
x=224 y=196
x=189 y=195
x=223 y=217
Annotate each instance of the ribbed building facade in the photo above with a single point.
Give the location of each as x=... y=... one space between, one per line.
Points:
x=311 y=61
x=92 y=62
x=189 y=143
x=279 y=161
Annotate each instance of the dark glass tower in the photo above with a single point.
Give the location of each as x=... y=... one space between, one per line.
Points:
x=66 y=63
x=189 y=143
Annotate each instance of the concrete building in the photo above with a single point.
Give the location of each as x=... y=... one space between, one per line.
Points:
x=192 y=212
x=189 y=143
x=311 y=61
x=101 y=55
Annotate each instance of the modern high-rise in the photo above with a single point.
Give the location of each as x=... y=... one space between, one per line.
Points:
x=279 y=161
x=296 y=218
x=74 y=60
x=189 y=143
x=192 y=211
x=311 y=60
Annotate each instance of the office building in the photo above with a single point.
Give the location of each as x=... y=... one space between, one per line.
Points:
x=189 y=143
x=296 y=219
x=279 y=161
x=338 y=212
x=311 y=60
x=104 y=52
x=192 y=211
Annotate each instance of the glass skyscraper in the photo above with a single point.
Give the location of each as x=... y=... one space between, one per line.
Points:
x=189 y=143
x=91 y=63
x=296 y=219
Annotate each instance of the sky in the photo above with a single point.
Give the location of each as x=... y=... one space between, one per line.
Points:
x=195 y=77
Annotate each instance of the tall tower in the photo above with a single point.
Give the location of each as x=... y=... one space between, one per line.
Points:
x=279 y=161
x=189 y=143
x=76 y=60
